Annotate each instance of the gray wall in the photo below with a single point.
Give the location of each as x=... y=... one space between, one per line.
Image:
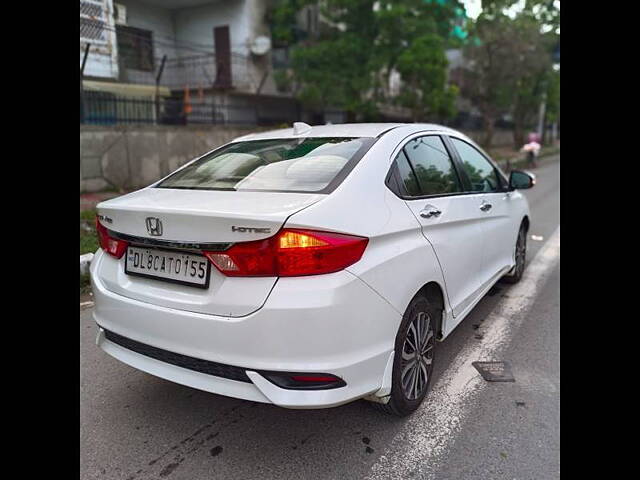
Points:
x=501 y=137
x=132 y=157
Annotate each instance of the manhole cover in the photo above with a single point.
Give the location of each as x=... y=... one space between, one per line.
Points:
x=494 y=371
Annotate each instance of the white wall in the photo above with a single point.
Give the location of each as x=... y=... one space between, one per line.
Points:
x=158 y=20
x=246 y=21
x=196 y=24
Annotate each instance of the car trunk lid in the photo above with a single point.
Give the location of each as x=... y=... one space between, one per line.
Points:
x=190 y=221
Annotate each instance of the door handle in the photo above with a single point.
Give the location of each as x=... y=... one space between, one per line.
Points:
x=485 y=207
x=430 y=212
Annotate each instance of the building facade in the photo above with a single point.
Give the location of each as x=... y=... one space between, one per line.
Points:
x=180 y=61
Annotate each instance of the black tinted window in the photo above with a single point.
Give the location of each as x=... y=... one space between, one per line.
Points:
x=481 y=173
x=407 y=176
x=432 y=166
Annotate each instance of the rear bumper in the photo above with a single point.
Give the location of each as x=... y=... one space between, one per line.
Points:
x=324 y=324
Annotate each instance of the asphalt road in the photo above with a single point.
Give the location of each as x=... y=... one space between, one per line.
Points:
x=136 y=426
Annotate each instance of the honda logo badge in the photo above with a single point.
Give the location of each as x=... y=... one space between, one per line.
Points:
x=154 y=226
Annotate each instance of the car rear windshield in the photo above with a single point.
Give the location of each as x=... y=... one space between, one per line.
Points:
x=285 y=165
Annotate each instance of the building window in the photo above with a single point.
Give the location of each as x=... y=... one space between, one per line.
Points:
x=93 y=22
x=135 y=48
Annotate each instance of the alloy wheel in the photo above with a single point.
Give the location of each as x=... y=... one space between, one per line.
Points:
x=417 y=356
x=521 y=252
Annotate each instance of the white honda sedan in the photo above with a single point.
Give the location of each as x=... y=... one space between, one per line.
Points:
x=311 y=266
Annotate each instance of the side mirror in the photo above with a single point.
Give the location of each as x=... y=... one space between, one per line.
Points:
x=519 y=179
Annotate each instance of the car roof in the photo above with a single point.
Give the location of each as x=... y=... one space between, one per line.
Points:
x=343 y=130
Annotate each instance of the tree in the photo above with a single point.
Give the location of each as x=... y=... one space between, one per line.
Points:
x=552 y=112
x=507 y=70
x=490 y=77
x=336 y=72
x=534 y=60
x=337 y=69
x=349 y=64
x=553 y=97
x=423 y=67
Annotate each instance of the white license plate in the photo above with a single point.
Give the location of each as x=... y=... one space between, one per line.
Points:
x=170 y=266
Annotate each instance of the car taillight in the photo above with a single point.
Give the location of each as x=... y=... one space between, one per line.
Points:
x=290 y=253
x=111 y=245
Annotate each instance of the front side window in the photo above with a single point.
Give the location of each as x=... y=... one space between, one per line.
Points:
x=482 y=175
x=432 y=166
x=295 y=165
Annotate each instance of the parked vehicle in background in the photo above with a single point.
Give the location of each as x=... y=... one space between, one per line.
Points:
x=308 y=267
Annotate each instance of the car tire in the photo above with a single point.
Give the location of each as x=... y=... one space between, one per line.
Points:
x=515 y=274
x=409 y=390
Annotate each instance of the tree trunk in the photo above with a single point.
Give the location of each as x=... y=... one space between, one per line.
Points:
x=415 y=115
x=488 y=122
x=518 y=133
x=545 y=127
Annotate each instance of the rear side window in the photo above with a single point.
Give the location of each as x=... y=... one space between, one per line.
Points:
x=432 y=166
x=407 y=177
x=290 y=165
x=482 y=175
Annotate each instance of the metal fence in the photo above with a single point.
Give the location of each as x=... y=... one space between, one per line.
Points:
x=227 y=84
x=194 y=71
x=103 y=108
x=106 y=109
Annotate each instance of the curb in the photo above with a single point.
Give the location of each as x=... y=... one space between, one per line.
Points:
x=521 y=164
x=85 y=263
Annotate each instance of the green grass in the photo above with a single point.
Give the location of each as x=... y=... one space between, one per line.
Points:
x=88 y=215
x=85 y=284
x=550 y=150
x=88 y=238
x=88 y=243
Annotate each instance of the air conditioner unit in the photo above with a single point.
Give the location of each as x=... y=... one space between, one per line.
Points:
x=120 y=14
